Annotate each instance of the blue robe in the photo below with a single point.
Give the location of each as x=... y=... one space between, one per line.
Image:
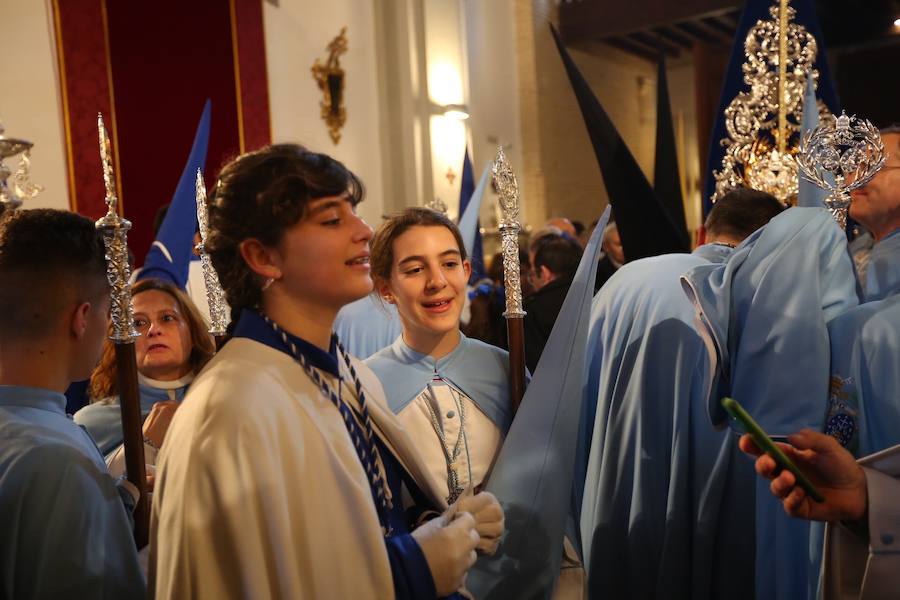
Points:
x=766 y=312
x=883 y=271
x=65 y=531
x=864 y=403
x=367 y=325
x=103 y=420
x=643 y=528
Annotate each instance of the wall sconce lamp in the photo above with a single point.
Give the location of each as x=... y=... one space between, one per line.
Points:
x=331 y=80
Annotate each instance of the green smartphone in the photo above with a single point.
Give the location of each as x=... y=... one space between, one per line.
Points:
x=764 y=443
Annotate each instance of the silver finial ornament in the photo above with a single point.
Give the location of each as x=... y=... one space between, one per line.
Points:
x=508 y=189
x=437 y=205
x=115 y=237
x=22 y=188
x=847 y=148
x=215 y=297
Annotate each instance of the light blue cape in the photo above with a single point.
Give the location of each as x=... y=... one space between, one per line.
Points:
x=103 y=420
x=477 y=369
x=766 y=312
x=647 y=527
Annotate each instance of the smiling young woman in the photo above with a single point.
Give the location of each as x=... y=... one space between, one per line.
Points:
x=449 y=391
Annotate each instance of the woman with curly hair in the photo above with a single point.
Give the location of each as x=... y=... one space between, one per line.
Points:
x=173 y=346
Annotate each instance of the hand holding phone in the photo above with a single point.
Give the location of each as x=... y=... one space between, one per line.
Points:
x=765 y=443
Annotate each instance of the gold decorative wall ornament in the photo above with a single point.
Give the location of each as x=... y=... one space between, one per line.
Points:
x=330 y=78
x=764 y=122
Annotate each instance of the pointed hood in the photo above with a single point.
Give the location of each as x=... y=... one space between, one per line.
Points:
x=170 y=254
x=645 y=225
x=532 y=475
x=666 y=177
x=470 y=198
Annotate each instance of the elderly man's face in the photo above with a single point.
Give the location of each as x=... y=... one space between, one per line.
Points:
x=877 y=205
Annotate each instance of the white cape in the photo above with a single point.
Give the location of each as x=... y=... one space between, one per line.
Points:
x=260 y=493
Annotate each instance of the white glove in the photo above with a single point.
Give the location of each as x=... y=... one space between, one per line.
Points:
x=489 y=519
x=449 y=550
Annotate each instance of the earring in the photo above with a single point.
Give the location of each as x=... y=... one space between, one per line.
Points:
x=267 y=283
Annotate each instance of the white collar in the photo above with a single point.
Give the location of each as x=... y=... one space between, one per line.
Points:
x=166 y=385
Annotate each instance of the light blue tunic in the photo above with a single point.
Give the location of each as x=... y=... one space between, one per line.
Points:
x=367 y=325
x=643 y=531
x=103 y=420
x=65 y=532
x=766 y=311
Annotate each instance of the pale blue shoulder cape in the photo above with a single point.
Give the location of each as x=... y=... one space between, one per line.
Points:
x=477 y=369
x=647 y=527
x=766 y=311
x=103 y=420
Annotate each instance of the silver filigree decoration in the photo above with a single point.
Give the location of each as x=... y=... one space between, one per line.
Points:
x=215 y=297
x=508 y=189
x=437 y=205
x=12 y=198
x=763 y=122
x=115 y=237
x=850 y=150
x=22 y=184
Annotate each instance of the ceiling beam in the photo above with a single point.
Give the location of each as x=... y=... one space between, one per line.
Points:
x=596 y=20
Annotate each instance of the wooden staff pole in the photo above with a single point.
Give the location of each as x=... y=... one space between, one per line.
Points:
x=115 y=237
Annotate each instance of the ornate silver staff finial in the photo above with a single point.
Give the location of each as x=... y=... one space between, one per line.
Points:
x=437 y=205
x=508 y=189
x=850 y=149
x=115 y=238
x=215 y=297
x=22 y=188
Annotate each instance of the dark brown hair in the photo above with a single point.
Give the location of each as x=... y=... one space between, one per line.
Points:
x=103 y=379
x=382 y=254
x=740 y=212
x=48 y=259
x=259 y=195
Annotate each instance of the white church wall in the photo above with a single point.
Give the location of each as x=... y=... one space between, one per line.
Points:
x=296 y=33
x=30 y=104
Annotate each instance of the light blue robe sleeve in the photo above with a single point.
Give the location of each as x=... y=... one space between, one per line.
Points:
x=65 y=530
x=864 y=402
